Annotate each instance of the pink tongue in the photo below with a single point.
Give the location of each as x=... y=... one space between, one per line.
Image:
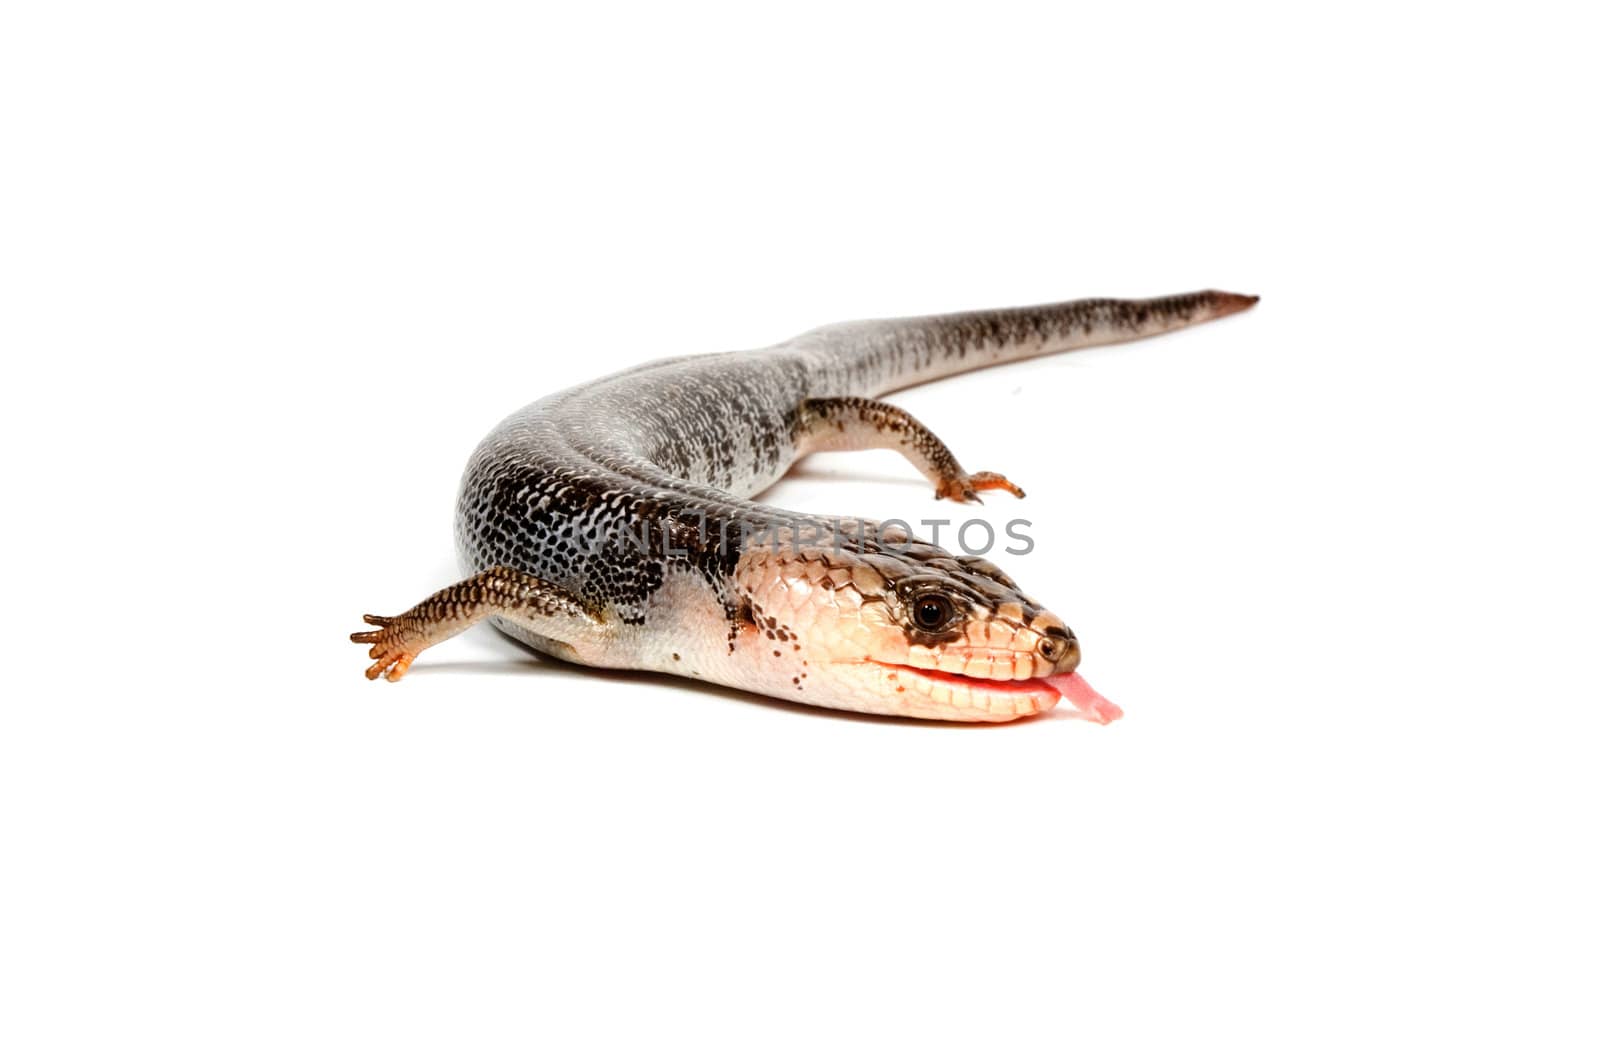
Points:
x=1085 y=699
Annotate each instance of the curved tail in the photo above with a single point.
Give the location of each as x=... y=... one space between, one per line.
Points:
x=872 y=358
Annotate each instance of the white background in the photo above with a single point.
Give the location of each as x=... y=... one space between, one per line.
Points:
x=271 y=271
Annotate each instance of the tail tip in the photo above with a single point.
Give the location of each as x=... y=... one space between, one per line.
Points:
x=1233 y=302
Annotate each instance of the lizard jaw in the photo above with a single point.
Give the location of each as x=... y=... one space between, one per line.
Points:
x=940 y=695
x=945 y=695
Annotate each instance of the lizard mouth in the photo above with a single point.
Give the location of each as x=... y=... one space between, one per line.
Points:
x=978 y=698
x=972 y=682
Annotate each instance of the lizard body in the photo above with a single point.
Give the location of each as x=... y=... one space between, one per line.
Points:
x=611 y=525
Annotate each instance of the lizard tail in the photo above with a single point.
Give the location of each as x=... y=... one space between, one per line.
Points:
x=872 y=358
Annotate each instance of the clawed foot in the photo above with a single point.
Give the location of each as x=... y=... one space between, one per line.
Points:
x=393 y=649
x=966 y=487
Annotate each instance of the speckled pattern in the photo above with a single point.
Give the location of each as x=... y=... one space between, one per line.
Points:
x=702 y=434
x=628 y=498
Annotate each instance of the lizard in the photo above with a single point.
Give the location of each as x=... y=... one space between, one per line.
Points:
x=612 y=525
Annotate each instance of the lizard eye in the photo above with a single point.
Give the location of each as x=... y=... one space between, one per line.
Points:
x=932 y=612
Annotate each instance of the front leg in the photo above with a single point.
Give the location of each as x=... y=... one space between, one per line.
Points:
x=852 y=424
x=499 y=592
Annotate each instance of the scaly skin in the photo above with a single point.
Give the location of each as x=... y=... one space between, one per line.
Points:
x=610 y=525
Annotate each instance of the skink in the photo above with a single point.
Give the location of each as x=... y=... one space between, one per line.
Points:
x=611 y=525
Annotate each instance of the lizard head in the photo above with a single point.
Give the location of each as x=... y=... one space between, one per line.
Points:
x=904 y=628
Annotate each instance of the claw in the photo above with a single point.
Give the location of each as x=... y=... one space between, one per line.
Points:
x=389 y=661
x=987 y=481
x=967 y=488
x=391 y=666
